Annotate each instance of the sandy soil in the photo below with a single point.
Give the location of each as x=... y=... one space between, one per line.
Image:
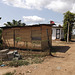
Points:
x=62 y=64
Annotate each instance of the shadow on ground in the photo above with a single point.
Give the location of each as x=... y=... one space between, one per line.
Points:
x=72 y=40
x=62 y=49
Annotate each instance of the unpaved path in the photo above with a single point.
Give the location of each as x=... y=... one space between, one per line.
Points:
x=62 y=64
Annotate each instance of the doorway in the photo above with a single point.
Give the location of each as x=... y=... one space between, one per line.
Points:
x=57 y=33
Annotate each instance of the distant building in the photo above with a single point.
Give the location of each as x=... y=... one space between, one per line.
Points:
x=57 y=33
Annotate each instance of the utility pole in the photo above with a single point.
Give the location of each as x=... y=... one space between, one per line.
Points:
x=68 y=34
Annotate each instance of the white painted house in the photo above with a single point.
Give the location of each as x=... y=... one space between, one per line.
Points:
x=57 y=33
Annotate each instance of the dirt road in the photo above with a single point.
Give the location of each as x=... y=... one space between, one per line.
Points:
x=62 y=64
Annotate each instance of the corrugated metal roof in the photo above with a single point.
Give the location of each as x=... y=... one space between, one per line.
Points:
x=57 y=26
x=36 y=25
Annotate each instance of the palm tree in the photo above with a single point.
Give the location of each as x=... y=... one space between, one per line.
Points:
x=15 y=23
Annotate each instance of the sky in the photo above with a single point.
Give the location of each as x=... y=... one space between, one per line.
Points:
x=35 y=11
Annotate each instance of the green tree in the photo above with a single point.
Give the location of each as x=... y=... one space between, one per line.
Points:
x=68 y=20
x=14 y=23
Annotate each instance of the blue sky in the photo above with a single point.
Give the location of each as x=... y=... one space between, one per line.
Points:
x=35 y=11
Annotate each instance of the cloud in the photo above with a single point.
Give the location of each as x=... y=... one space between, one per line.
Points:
x=33 y=19
x=59 y=6
x=55 y=5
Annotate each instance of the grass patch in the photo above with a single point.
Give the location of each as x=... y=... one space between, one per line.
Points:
x=37 y=60
x=1 y=62
x=28 y=61
x=17 y=63
x=28 y=57
x=10 y=73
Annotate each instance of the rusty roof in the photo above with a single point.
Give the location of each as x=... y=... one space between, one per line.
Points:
x=36 y=25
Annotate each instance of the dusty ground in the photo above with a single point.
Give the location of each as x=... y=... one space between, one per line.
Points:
x=62 y=64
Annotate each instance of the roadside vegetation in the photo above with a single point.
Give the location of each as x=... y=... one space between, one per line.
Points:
x=28 y=57
x=68 y=23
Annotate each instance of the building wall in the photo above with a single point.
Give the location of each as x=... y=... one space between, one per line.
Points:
x=27 y=37
x=36 y=37
x=7 y=36
x=46 y=32
x=73 y=32
x=22 y=37
x=62 y=34
x=53 y=33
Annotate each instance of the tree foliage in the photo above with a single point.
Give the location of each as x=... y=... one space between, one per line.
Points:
x=14 y=23
x=68 y=18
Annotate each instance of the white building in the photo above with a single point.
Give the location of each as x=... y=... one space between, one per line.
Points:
x=57 y=33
